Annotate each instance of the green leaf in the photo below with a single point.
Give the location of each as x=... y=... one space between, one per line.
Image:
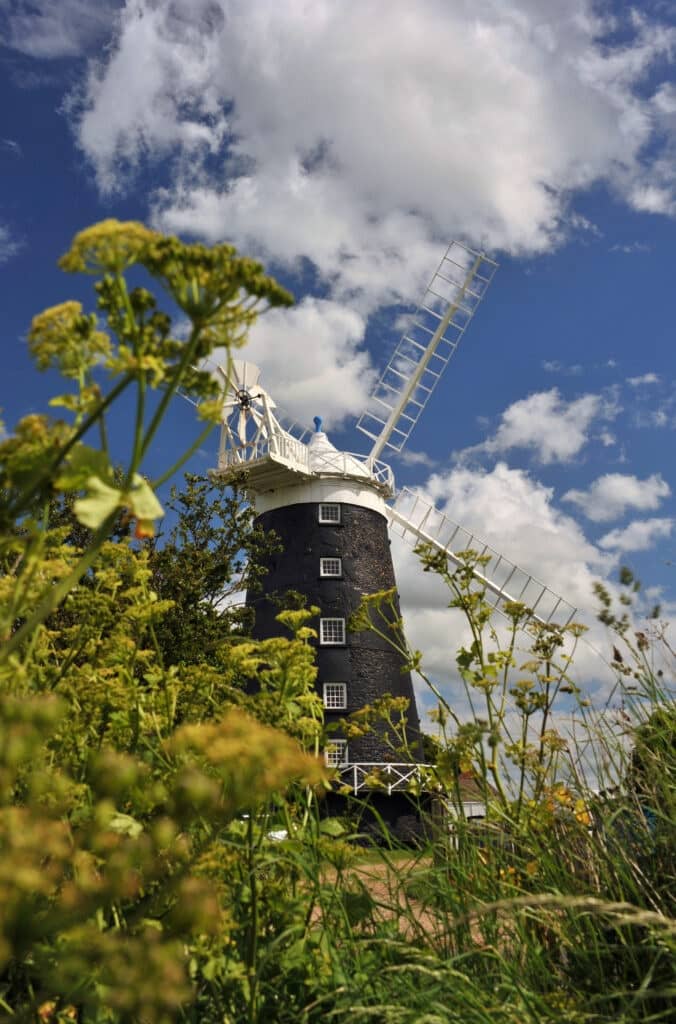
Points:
x=358 y=905
x=82 y=463
x=331 y=827
x=98 y=504
x=142 y=500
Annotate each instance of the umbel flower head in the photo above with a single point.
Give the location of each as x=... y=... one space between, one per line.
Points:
x=215 y=287
x=109 y=246
x=64 y=338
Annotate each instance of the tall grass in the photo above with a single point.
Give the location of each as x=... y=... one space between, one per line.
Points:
x=559 y=907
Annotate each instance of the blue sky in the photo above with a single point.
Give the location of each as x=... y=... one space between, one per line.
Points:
x=344 y=144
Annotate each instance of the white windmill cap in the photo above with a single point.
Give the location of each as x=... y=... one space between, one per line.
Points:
x=324 y=457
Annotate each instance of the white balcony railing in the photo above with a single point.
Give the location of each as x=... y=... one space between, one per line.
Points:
x=387 y=777
x=284 y=448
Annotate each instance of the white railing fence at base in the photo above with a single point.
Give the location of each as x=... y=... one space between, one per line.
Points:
x=387 y=776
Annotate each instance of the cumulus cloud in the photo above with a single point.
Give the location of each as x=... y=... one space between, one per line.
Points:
x=408 y=457
x=329 y=132
x=545 y=423
x=43 y=28
x=312 y=360
x=610 y=495
x=638 y=536
x=516 y=515
x=646 y=378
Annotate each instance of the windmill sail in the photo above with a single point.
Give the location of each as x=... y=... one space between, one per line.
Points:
x=417 y=519
x=424 y=350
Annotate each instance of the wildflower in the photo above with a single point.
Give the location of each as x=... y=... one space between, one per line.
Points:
x=111 y=245
x=62 y=337
x=144 y=528
x=582 y=815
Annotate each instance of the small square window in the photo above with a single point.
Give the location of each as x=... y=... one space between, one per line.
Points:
x=335 y=753
x=330 y=567
x=329 y=512
x=332 y=631
x=335 y=696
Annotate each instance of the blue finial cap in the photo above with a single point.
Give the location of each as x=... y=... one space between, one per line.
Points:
x=318 y=423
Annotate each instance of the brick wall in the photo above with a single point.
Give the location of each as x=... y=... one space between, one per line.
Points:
x=367 y=663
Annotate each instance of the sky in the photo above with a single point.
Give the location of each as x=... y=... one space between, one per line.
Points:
x=344 y=144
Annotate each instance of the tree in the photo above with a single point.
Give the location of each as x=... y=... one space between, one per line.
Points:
x=212 y=554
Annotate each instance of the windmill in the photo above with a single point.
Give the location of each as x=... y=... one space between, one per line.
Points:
x=333 y=511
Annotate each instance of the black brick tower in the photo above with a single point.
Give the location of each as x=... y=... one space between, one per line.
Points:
x=350 y=542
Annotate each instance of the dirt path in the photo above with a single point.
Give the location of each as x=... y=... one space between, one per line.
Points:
x=391 y=888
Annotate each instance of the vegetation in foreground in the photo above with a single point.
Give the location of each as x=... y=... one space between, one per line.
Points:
x=140 y=785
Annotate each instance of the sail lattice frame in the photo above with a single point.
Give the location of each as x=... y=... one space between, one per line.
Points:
x=416 y=518
x=424 y=350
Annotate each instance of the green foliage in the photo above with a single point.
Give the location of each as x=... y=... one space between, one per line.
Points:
x=209 y=558
x=563 y=898
x=107 y=801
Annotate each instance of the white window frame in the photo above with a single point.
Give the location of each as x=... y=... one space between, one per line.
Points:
x=324 y=567
x=327 y=518
x=334 y=696
x=326 y=628
x=336 y=754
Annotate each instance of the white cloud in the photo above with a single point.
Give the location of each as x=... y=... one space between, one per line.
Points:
x=652 y=412
x=515 y=514
x=11 y=146
x=9 y=246
x=48 y=29
x=408 y=457
x=358 y=141
x=312 y=360
x=610 y=495
x=638 y=536
x=554 y=429
x=630 y=247
x=577 y=220
x=646 y=378
x=555 y=366
x=665 y=98
x=652 y=199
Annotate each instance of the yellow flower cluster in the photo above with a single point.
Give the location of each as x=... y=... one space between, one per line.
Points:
x=65 y=338
x=109 y=246
x=250 y=760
